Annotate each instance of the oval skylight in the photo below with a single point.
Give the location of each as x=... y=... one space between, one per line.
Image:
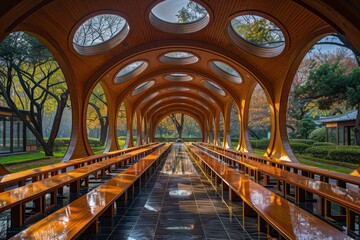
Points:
x=178 y=89
x=214 y=87
x=258 y=32
x=181 y=58
x=178 y=77
x=224 y=70
x=179 y=16
x=179 y=55
x=100 y=33
x=142 y=87
x=207 y=97
x=131 y=70
x=151 y=96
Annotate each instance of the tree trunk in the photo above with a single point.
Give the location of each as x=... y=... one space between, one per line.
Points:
x=103 y=130
x=48 y=151
x=179 y=126
x=57 y=119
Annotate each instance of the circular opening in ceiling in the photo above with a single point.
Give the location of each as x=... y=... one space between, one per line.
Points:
x=179 y=16
x=257 y=35
x=224 y=70
x=151 y=96
x=131 y=70
x=178 y=89
x=207 y=97
x=100 y=33
x=181 y=58
x=142 y=87
x=178 y=77
x=214 y=87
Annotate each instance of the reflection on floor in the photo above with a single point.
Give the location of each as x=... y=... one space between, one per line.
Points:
x=178 y=202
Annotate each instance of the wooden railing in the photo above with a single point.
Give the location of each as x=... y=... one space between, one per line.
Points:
x=300 y=188
x=36 y=174
x=339 y=179
x=36 y=192
x=278 y=217
x=83 y=214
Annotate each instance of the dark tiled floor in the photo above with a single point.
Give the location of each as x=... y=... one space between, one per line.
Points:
x=178 y=202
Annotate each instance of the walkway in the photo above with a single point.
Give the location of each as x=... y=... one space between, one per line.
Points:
x=177 y=203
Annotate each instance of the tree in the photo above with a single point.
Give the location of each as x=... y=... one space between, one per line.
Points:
x=98 y=29
x=190 y=13
x=328 y=84
x=97 y=118
x=192 y=127
x=179 y=125
x=31 y=80
x=306 y=126
x=259 y=114
x=258 y=30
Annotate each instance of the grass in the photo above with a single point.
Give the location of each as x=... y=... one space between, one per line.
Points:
x=320 y=162
x=326 y=166
x=27 y=157
x=35 y=165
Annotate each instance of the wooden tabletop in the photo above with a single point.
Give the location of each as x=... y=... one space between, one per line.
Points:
x=32 y=191
x=323 y=172
x=12 y=178
x=343 y=196
x=290 y=220
x=69 y=222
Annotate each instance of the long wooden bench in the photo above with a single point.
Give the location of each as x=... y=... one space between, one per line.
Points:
x=348 y=200
x=340 y=179
x=32 y=175
x=16 y=199
x=275 y=214
x=82 y=214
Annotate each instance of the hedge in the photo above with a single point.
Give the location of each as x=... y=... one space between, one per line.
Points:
x=260 y=144
x=298 y=147
x=324 y=144
x=305 y=141
x=350 y=154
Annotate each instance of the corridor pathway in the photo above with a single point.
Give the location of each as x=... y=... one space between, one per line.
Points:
x=177 y=203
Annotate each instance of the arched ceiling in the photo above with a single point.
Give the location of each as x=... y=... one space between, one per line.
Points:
x=56 y=21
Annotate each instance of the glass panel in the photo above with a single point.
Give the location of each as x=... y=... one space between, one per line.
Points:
x=226 y=68
x=179 y=11
x=178 y=55
x=129 y=68
x=98 y=29
x=258 y=31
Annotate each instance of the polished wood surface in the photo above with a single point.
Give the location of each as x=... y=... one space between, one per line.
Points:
x=289 y=220
x=17 y=198
x=344 y=197
x=310 y=171
x=39 y=173
x=70 y=221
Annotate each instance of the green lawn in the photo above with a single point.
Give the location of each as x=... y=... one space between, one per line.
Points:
x=30 y=165
x=326 y=166
x=26 y=157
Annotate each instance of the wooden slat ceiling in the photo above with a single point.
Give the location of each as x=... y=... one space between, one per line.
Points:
x=54 y=23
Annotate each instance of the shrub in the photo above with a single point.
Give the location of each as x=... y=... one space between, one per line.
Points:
x=318 y=135
x=260 y=144
x=94 y=142
x=320 y=151
x=350 y=154
x=305 y=141
x=299 y=147
x=324 y=144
